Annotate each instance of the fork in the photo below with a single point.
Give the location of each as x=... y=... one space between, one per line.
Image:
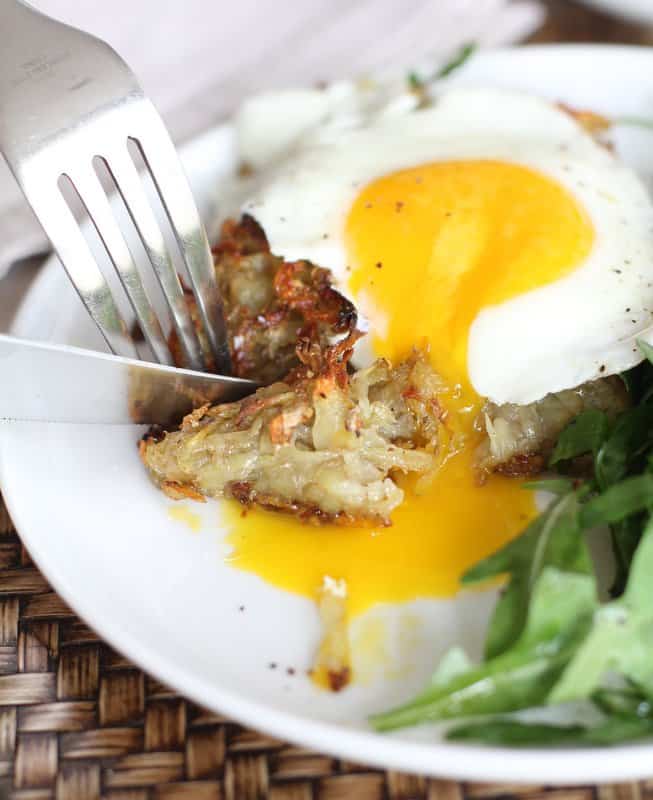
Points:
x=69 y=103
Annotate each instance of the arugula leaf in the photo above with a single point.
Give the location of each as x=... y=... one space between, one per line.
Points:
x=627 y=701
x=642 y=375
x=626 y=451
x=549 y=641
x=625 y=536
x=621 y=639
x=631 y=438
x=458 y=60
x=647 y=349
x=638 y=122
x=585 y=434
x=558 y=619
x=520 y=734
x=638 y=593
x=415 y=81
x=624 y=715
x=453 y=663
x=557 y=486
x=639 y=382
x=552 y=539
x=619 y=501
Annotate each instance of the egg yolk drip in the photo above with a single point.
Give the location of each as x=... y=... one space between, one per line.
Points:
x=428 y=248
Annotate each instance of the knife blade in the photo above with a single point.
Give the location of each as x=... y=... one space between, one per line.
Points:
x=57 y=383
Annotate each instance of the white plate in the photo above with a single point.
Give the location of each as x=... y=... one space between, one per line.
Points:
x=102 y=534
x=635 y=10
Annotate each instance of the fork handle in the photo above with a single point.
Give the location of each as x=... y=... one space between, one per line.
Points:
x=41 y=58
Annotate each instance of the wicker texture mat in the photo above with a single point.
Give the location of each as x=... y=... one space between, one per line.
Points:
x=79 y=722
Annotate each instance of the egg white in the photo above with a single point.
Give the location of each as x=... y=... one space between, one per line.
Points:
x=575 y=329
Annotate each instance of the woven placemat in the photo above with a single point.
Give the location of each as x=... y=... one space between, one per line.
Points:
x=80 y=722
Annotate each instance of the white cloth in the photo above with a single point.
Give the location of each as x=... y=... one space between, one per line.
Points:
x=198 y=58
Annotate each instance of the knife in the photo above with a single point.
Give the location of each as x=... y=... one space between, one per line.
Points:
x=56 y=383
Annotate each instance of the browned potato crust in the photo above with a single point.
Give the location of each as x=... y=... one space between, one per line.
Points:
x=270 y=304
x=323 y=445
x=520 y=438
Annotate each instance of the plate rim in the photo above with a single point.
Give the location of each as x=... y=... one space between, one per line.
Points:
x=550 y=766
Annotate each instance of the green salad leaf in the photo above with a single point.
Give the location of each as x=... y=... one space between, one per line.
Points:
x=458 y=60
x=633 y=121
x=626 y=447
x=646 y=349
x=625 y=701
x=585 y=434
x=513 y=733
x=455 y=662
x=625 y=537
x=619 y=642
x=550 y=643
x=621 y=639
x=619 y=501
x=416 y=82
x=559 y=617
x=557 y=486
x=552 y=539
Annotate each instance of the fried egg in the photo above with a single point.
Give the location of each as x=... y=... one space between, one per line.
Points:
x=492 y=229
x=506 y=235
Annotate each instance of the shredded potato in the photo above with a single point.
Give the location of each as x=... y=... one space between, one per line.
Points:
x=323 y=444
x=270 y=304
x=519 y=438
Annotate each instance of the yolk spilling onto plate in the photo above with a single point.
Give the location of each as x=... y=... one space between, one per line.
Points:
x=428 y=248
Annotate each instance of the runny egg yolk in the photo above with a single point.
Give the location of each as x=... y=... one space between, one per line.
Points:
x=428 y=248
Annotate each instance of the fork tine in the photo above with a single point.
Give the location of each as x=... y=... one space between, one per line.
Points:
x=128 y=182
x=160 y=156
x=90 y=191
x=67 y=240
